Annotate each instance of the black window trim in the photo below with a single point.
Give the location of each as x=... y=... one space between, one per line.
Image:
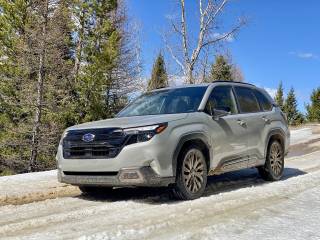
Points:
x=234 y=99
x=237 y=100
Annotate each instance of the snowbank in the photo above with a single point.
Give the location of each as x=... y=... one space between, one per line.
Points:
x=29 y=187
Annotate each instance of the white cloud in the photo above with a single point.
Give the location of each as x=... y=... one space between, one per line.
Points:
x=305 y=55
x=271 y=91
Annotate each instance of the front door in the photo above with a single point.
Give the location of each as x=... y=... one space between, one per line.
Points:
x=229 y=133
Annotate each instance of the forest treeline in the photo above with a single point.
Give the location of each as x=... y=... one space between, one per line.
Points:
x=62 y=62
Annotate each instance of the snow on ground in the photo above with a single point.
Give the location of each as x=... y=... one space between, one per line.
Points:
x=237 y=205
x=301 y=135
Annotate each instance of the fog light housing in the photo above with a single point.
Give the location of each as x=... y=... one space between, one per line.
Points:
x=130 y=176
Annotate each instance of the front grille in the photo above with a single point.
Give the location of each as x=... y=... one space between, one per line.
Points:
x=107 y=143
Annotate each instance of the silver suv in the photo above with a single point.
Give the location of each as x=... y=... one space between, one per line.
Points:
x=177 y=137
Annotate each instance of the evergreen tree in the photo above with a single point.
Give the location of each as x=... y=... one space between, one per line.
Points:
x=61 y=63
x=159 y=77
x=279 y=96
x=313 y=109
x=221 y=70
x=102 y=61
x=290 y=108
x=36 y=70
x=13 y=114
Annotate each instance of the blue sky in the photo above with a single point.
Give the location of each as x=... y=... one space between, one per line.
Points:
x=280 y=42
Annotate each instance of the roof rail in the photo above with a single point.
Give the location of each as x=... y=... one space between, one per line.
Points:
x=233 y=82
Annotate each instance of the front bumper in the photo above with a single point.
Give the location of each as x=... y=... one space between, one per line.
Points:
x=126 y=177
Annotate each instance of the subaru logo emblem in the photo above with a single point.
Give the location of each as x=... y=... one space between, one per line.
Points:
x=88 y=137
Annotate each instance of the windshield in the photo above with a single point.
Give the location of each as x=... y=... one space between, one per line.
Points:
x=169 y=101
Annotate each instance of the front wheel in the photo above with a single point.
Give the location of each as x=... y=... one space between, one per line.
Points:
x=191 y=174
x=274 y=165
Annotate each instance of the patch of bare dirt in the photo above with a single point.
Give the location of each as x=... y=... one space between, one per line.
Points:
x=55 y=192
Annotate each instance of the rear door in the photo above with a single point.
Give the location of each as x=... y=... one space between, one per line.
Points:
x=252 y=117
x=228 y=135
x=266 y=118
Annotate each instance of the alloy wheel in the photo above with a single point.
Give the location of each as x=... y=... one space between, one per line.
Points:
x=276 y=158
x=193 y=170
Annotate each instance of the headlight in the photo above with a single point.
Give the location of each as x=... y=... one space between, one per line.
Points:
x=64 y=134
x=145 y=133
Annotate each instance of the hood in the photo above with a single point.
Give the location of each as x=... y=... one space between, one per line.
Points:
x=127 y=122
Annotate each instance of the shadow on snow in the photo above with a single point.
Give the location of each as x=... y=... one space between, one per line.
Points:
x=216 y=184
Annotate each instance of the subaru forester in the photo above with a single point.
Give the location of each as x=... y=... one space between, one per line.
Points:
x=177 y=137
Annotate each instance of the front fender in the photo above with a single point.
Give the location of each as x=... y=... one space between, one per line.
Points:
x=185 y=138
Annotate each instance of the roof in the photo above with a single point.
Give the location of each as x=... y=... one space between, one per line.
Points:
x=223 y=81
x=202 y=85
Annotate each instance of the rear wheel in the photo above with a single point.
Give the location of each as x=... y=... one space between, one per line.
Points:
x=274 y=165
x=191 y=174
x=91 y=190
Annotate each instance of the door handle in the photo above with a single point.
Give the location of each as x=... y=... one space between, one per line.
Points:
x=241 y=123
x=266 y=120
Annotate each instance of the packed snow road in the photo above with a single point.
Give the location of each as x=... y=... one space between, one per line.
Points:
x=236 y=206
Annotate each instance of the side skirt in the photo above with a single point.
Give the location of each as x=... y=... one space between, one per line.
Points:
x=242 y=162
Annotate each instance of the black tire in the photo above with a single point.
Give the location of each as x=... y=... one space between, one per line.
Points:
x=190 y=184
x=274 y=165
x=92 y=190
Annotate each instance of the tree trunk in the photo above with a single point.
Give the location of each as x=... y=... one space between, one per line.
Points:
x=39 y=104
x=189 y=75
x=79 y=48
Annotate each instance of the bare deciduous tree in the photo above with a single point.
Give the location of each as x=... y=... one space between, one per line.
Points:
x=189 y=54
x=237 y=74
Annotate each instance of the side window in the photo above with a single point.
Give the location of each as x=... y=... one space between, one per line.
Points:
x=247 y=100
x=264 y=102
x=221 y=98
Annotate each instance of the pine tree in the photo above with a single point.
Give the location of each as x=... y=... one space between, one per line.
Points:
x=13 y=113
x=37 y=70
x=104 y=67
x=313 y=109
x=159 y=77
x=279 y=96
x=221 y=70
x=101 y=48
x=61 y=63
x=290 y=108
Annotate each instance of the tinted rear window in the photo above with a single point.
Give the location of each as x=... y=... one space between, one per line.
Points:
x=247 y=100
x=264 y=102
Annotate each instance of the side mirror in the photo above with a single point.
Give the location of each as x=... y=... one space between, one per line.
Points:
x=219 y=114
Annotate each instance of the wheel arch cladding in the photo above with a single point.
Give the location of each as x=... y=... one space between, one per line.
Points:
x=275 y=134
x=198 y=139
